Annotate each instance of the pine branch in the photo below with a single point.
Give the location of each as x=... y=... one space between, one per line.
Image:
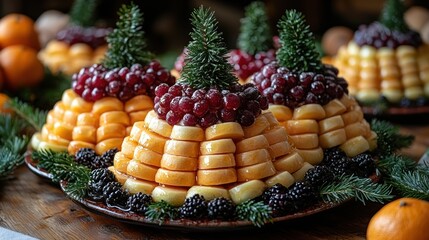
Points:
x=256 y=212
x=408 y=178
x=255 y=35
x=127 y=43
x=389 y=139
x=392 y=16
x=10 y=126
x=62 y=166
x=362 y=189
x=83 y=12
x=160 y=211
x=9 y=160
x=206 y=63
x=34 y=117
x=298 y=49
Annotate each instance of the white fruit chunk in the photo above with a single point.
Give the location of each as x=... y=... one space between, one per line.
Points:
x=172 y=195
x=135 y=186
x=209 y=193
x=246 y=191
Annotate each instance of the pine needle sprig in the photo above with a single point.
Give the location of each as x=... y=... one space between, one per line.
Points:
x=392 y=16
x=206 y=63
x=160 y=211
x=10 y=126
x=62 y=166
x=83 y=12
x=127 y=42
x=298 y=50
x=407 y=177
x=350 y=186
x=389 y=139
x=9 y=160
x=255 y=35
x=34 y=117
x=255 y=211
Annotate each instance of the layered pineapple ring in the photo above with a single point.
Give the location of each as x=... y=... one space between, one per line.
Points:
x=60 y=57
x=74 y=123
x=393 y=73
x=313 y=127
x=224 y=160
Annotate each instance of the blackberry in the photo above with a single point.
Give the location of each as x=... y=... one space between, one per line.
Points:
x=98 y=179
x=280 y=204
x=336 y=160
x=221 y=208
x=194 y=207
x=364 y=165
x=106 y=159
x=139 y=202
x=85 y=156
x=276 y=189
x=318 y=175
x=114 y=195
x=302 y=195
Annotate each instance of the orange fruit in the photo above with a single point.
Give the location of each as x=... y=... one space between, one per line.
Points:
x=402 y=219
x=18 y=29
x=21 y=66
x=3 y=99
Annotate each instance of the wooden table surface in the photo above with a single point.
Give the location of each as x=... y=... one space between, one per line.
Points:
x=33 y=206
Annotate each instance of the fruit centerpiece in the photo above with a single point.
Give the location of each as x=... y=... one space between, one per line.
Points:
x=78 y=45
x=255 y=43
x=386 y=62
x=310 y=100
x=106 y=99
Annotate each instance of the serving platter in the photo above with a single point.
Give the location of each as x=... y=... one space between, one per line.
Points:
x=102 y=209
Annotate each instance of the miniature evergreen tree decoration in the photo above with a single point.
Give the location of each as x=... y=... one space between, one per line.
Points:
x=127 y=43
x=298 y=51
x=255 y=33
x=392 y=16
x=206 y=64
x=82 y=12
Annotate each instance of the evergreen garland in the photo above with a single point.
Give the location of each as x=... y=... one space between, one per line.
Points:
x=388 y=138
x=206 y=63
x=255 y=33
x=160 y=211
x=82 y=12
x=256 y=212
x=392 y=16
x=33 y=116
x=127 y=43
x=298 y=49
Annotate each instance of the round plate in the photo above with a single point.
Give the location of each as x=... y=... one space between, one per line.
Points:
x=188 y=225
x=417 y=114
x=32 y=165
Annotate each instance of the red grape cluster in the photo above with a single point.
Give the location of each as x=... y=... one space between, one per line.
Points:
x=95 y=82
x=245 y=64
x=377 y=35
x=180 y=104
x=293 y=89
x=93 y=36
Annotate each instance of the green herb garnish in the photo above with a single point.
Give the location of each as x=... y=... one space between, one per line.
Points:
x=256 y=212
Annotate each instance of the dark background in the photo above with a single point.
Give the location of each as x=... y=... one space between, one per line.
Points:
x=167 y=21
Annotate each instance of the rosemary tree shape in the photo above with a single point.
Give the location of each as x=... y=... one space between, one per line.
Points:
x=392 y=16
x=206 y=63
x=127 y=43
x=298 y=49
x=255 y=35
x=82 y=12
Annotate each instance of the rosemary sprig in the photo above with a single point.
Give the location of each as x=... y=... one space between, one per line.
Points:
x=389 y=139
x=62 y=166
x=256 y=212
x=407 y=178
x=350 y=186
x=160 y=211
x=34 y=117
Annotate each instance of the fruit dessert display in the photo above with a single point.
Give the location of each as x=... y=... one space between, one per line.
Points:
x=78 y=45
x=309 y=99
x=106 y=99
x=207 y=135
x=255 y=45
x=386 y=62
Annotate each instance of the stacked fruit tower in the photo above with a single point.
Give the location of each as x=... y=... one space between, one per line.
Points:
x=255 y=43
x=108 y=98
x=387 y=59
x=78 y=45
x=309 y=99
x=207 y=134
